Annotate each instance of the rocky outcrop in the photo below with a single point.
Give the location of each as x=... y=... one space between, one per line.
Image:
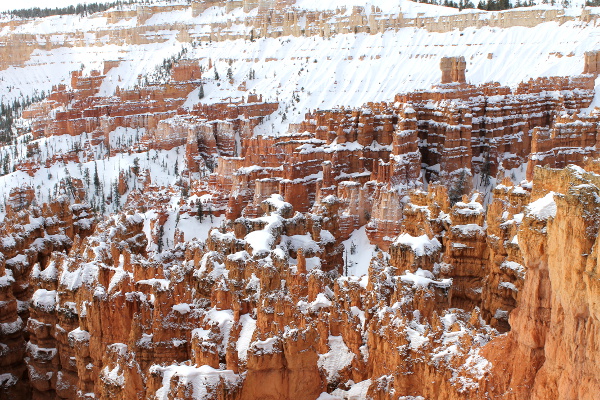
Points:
x=30 y=236
x=554 y=320
x=453 y=69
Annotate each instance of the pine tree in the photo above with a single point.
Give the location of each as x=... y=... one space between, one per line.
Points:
x=200 y=212
x=201 y=92
x=96 y=178
x=457 y=190
x=161 y=234
x=116 y=195
x=210 y=213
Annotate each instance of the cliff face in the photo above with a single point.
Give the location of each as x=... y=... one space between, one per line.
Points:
x=553 y=325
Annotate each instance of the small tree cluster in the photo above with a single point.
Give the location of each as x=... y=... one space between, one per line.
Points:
x=82 y=9
x=489 y=5
x=162 y=72
x=458 y=188
x=12 y=111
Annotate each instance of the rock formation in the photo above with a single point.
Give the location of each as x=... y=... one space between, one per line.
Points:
x=453 y=69
x=256 y=303
x=386 y=251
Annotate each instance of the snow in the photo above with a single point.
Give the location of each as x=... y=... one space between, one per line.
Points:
x=508 y=285
x=501 y=314
x=46 y=180
x=223 y=319
x=79 y=335
x=349 y=67
x=182 y=308
x=424 y=278
x=358 y=252
x=320 y=301
x=357 y=391
x=327 y=396
x=42 y=353
x=420 y=245
x=48 y=274
x=350 y=70
x=146 y=340
x=304 y=242
x=543 y=208
x=201 y=379
x=113 y=376
x=6 y=279
x=416 y=336
x=262 y=240
x=192 y=228
x=477 y=364
x=337 y=358
x=87 y=273
x=276 y=201
x=469 y=229
x=267 y=346
x=118 y=276
x=9 y=328
x=7 y=380
x=471 y=208
x=514 y=266
x=44 y=300
x=243 y=343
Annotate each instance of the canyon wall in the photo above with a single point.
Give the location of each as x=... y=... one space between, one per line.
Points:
x=134 y=25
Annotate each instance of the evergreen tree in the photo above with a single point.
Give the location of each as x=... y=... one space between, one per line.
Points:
x=458 y=189
x=116 y=195
x=210 y=213
x=79 y=9
x=161 y=234
x=96 y=179
x=200 y=212
x=136 y=166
